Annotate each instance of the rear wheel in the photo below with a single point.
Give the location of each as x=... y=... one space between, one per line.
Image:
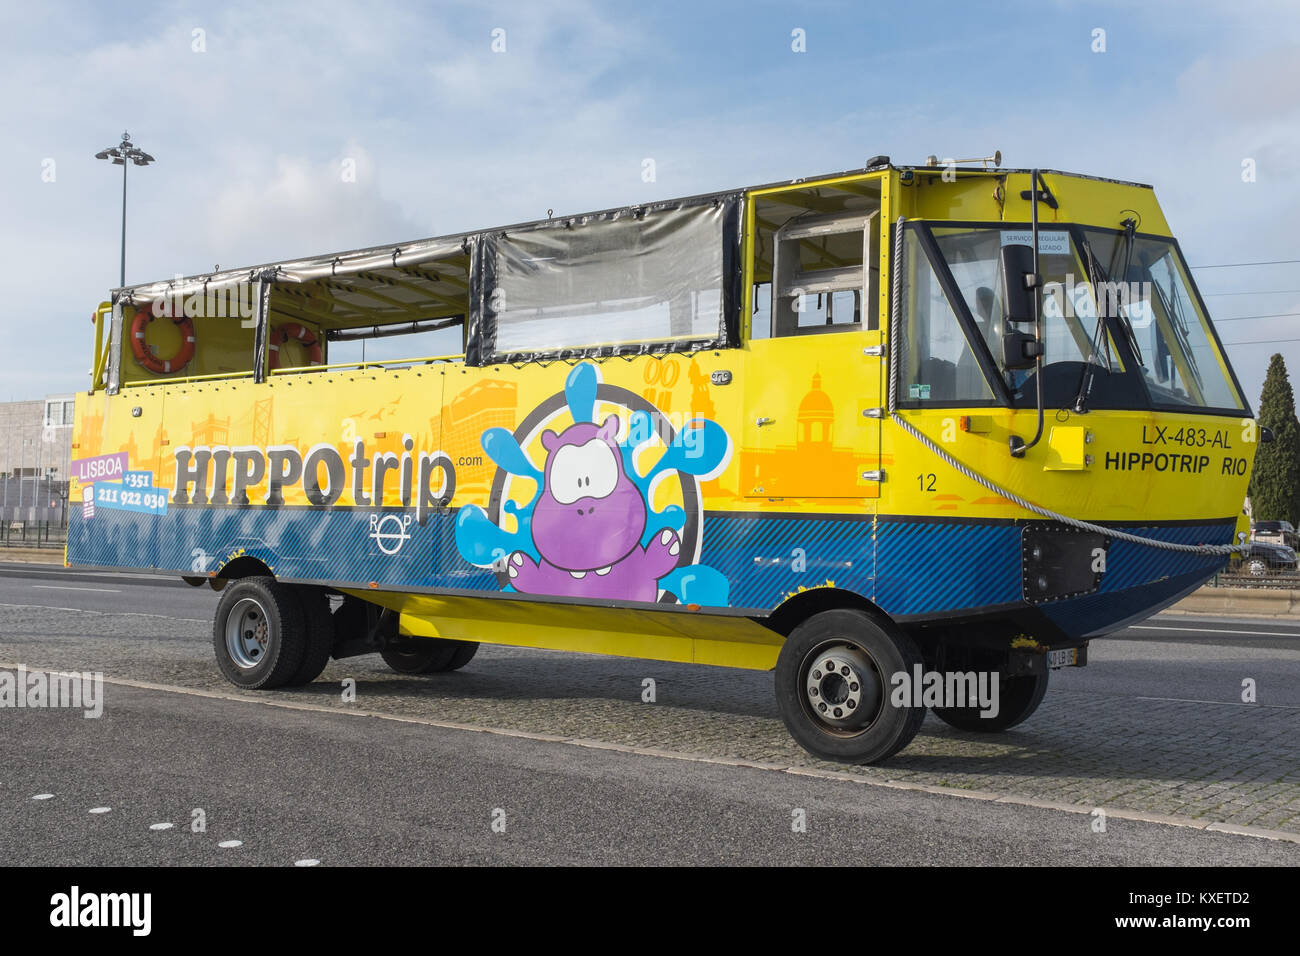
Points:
x=258 y=633
x=319 y=626
x=832 y=687
x=1018 y=697
x=465 y=651
x=428 y=655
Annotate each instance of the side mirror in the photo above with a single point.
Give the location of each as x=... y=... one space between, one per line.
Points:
x=1020 y=350
x=1018 y=283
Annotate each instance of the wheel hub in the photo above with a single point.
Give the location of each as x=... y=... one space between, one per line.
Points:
x=246 y=633
x=841 y=686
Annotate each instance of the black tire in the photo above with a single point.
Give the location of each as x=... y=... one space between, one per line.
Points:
x=319 y=626
x=428 y=655
x=1018 y=697
x=258 y=633
x=870 y=728
x=465 y=651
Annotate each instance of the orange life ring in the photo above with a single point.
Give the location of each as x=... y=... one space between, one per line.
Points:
x=305 y=337
x=155 y=364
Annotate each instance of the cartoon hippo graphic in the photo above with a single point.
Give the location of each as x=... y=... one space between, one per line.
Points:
x=588 y=523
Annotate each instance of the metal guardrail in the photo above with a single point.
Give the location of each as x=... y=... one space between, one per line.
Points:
x=32 y=534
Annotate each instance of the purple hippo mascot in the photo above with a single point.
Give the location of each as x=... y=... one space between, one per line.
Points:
x=588 y=523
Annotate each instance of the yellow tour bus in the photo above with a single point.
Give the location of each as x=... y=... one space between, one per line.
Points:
x=896 y=434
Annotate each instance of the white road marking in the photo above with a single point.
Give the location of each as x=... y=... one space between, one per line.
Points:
x=1210 y=630
x=160 y=826
x=86 y=610
x=56 y=570
x=101 y=809
x=1226 y=703
x=230 y=844
x=43 y=796
x=306 y=862
x=65 y=587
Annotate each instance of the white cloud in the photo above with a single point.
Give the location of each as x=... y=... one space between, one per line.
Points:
x=303 y=208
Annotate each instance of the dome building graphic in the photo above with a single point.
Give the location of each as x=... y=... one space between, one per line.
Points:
x=805 y=461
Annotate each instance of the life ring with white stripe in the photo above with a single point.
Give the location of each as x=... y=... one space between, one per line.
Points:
x=299 y=333
x=156 y=363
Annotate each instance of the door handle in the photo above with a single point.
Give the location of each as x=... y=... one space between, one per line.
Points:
x=760 y=422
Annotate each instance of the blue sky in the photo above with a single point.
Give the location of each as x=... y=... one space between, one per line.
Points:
x=446 y=135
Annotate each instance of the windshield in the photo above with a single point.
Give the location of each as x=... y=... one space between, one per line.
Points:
x=956 y=320
x=1070 y=331
x=1180 y=361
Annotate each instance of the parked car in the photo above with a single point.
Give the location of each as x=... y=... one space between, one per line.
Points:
x=1275 y=532
x=1264 y=558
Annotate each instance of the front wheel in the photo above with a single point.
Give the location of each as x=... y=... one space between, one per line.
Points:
x=1257 y=567
x=833 y=681
x=1018 y=697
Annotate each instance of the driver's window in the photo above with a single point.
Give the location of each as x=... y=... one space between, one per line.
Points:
x=940 y=365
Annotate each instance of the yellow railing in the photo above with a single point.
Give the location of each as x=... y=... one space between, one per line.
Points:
x=190 y=378
x=298 y=370
x=104 y=310
x=361 y=366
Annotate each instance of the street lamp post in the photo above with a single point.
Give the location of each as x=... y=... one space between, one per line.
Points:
x=120 y=155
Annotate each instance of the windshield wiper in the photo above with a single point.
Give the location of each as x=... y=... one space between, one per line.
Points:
x=1126 y=247
x=1100 y=280
x=1100 y=342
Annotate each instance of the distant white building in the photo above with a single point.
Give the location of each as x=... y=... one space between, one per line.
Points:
x=35 y=458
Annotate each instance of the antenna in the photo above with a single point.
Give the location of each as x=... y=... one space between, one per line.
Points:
x=994 y=160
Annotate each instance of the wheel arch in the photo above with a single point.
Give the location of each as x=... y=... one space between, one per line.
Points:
x=801 y=606
x=242 y=566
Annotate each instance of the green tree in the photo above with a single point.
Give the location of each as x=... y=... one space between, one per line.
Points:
x=1275 y=480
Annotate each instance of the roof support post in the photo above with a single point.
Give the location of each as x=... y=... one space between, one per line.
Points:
x=262 y=324
x=115 y=347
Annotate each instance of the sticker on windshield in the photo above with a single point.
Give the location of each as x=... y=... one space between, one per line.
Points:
x=918 y=391
x=1051 y=242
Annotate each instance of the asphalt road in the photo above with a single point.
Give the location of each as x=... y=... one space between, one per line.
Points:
x=572 y=777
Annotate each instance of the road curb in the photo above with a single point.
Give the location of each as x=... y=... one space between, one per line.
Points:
x=52 y=557
x=1112 y=813
x=1281 y=603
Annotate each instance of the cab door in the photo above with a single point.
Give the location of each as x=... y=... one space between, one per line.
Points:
x=814 y=388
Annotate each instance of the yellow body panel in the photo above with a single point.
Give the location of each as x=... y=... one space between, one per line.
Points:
x=1105 y=489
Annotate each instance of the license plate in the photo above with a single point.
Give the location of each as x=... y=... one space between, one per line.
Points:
x=1064 y=658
